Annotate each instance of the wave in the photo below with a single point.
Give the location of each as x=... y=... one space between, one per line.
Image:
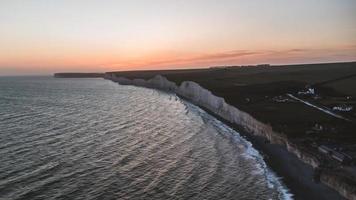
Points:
x=274 y=182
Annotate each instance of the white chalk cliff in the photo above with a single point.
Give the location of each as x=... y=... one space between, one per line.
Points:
x=217 y=105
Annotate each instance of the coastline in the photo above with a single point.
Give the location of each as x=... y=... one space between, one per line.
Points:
x=296 y=173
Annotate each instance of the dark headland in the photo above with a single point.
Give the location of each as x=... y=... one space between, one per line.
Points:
x=79 y=75
x=310 y=107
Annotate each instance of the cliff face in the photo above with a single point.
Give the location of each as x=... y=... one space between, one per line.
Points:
x=340 y=182
x=217 y=105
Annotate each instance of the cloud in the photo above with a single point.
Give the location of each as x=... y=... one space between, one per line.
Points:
x=240 y=57
x=203 y=58
x=207 y=57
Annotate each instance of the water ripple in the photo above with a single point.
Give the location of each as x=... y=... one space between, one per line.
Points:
x=93 y=139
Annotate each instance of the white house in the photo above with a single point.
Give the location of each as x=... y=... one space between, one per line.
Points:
x=308 y=91
x=343 y=108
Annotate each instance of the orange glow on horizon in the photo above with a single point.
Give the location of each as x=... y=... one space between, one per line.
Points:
x=172 y=60
x=43 y=37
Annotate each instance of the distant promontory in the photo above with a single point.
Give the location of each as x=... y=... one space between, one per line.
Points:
x=79 y=75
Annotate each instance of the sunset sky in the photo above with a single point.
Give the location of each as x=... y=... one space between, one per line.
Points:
x=46 y=36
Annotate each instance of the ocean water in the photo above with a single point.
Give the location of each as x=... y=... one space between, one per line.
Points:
x=95 y=139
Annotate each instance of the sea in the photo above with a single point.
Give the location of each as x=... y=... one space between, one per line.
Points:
x=95 y=139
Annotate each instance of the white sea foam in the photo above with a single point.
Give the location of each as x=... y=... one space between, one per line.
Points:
x=205 y=98
x=273 y=181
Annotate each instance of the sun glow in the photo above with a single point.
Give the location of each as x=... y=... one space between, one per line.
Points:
x=50 y=36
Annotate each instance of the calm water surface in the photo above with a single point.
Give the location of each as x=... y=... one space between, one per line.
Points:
x=94 y=139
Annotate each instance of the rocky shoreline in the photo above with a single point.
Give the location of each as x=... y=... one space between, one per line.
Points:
x=256 y=129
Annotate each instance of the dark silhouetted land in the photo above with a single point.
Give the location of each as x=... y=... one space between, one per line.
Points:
x=79 y=75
